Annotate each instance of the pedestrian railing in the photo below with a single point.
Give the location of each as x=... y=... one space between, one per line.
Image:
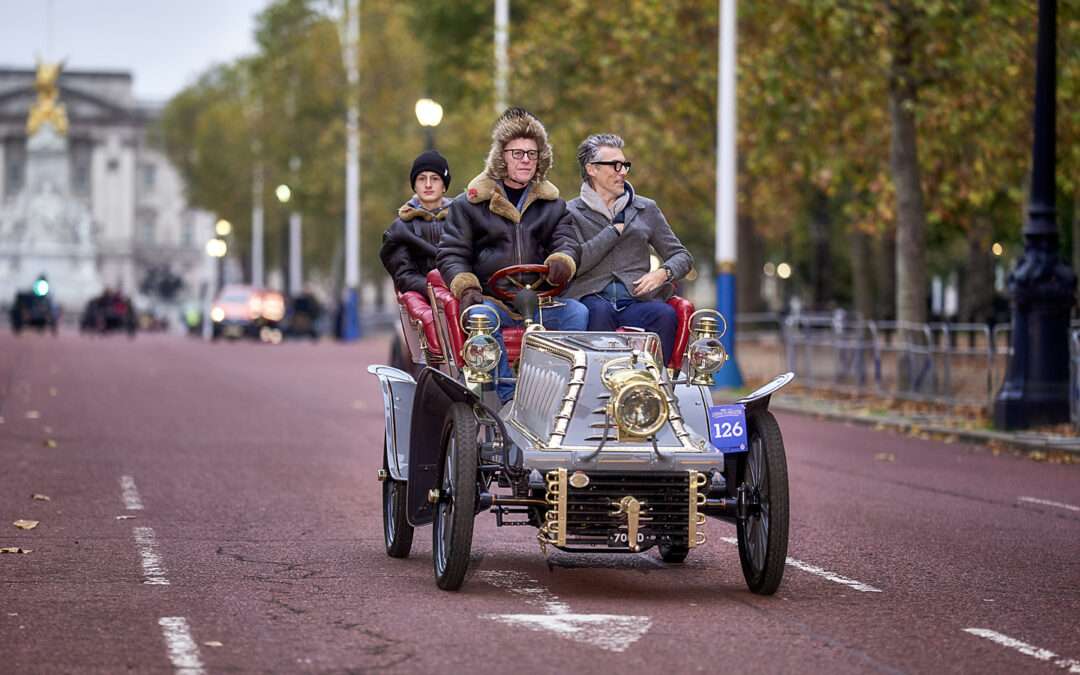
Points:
x=1074 y=377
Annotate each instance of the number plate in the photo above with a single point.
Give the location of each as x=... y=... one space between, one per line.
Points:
x=727 y=426
x=621 y=538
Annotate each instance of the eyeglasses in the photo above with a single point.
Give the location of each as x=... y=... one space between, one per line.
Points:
x=615 y=164
x=521 y=154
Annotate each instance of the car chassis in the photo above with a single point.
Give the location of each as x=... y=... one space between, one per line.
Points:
x=602 y=449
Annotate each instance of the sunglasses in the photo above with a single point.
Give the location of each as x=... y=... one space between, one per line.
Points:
x=615 y=164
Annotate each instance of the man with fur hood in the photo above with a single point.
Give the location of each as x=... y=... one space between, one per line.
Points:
x=409 y=245
x=511 y=215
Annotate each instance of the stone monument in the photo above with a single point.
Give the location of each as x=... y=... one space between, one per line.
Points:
x=45 y=228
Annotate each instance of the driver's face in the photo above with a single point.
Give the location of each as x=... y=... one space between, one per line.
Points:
x=520 y=171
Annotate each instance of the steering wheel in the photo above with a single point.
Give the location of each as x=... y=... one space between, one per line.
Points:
x=508 y=295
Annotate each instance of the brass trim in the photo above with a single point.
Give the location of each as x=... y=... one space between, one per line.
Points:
x=695 y=519
x=631 y=508
x=433 y=496
x=383 y=475
x=553 y=530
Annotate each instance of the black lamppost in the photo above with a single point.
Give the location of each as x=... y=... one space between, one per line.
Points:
x=1036 y=386
x=429 y=114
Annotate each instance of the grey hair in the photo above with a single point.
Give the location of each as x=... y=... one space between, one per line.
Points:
x=590 y=148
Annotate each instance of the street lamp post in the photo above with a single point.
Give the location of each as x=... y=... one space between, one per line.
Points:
x=429 y=114
x=296 y=275
x=1036 y=386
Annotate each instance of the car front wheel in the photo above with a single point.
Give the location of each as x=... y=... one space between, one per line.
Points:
x=763 y=496
x=456 y=507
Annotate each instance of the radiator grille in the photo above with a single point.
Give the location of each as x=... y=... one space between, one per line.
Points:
x=665 y=509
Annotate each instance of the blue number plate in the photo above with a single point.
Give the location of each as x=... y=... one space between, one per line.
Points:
x=727 y=426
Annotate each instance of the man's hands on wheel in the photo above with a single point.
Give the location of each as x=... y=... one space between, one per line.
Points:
x=470 y=297
x=559 y=271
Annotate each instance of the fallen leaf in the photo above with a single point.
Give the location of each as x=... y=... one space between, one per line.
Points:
x=49 y=443
x=1 y=420
x=15 y=549
x=885 y=457
x=213 y=643
x=125 y=517
x=47 y=429
x=40 y=498
x=25 y=524
x=52 y=391
x=32 y=414
x=358 y=405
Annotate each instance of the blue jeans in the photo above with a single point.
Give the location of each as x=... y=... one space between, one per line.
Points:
x=615 y=307
x=572 y=316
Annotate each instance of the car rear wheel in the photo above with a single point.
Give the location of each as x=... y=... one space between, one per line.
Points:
x=763 y=493
x=673 y=553
x=454 y=513
x=397 y=532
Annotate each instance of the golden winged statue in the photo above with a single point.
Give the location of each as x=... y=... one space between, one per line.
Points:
x=47 y=107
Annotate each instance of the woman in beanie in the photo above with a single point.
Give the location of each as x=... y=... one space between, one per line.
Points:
x=409 y=246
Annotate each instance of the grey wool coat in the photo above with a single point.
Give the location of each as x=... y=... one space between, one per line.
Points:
x=604 y=254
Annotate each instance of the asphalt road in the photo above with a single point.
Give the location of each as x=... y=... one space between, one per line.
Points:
x=214 y=508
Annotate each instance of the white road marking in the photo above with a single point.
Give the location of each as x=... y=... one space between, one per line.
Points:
x=183 y=652
x=130 y=494
x=153 y=570
x=1045 y=502
x=821 y=572
x=1039 y=653
x=612 y=632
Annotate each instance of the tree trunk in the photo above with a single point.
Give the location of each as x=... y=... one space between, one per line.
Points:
x=750 y=258
x=904 y=163
x=821 y=272
x=885 y=281
x=862 y=278
x=1076 y=233
x=977 y=288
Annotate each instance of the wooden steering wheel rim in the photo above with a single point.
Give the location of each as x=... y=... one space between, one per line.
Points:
x=509 y=296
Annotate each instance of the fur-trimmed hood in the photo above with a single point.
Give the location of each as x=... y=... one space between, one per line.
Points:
x=518 y=123
x=414 y=209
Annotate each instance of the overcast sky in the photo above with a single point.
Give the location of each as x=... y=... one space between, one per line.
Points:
x=165 y=44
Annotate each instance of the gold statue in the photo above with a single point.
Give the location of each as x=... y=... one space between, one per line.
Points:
x=47 y=107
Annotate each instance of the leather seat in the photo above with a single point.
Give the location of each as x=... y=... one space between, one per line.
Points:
x=418 y=309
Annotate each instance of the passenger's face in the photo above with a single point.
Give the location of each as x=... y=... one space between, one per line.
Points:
x=429 y=187
x=521 y=171
x=605 y=179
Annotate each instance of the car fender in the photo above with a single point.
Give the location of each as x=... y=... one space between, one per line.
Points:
x=398 y=390
x=435 y=392
x=759 y=398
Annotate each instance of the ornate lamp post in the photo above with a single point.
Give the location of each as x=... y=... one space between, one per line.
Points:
x=429 y=115
x=1036 y=386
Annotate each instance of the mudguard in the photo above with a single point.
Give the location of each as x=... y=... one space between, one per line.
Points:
x=398 y=389
x=759 y=398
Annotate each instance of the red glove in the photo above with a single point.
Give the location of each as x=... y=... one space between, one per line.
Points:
x=470 y=297
x=559 y=271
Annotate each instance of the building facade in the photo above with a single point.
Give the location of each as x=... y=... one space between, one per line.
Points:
x=142 y=226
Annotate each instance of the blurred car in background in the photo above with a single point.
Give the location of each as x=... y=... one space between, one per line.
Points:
x=34 y=308
x=248 y=312
x=110 y=311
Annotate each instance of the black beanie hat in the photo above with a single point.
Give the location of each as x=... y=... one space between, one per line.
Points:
x=430 y=160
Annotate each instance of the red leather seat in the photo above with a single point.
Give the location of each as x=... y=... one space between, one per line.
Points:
x=418 y=309
x=684 y=309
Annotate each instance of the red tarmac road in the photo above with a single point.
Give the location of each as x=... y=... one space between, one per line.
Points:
x=258 y=545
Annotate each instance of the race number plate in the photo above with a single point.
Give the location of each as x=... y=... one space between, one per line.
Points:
x=621 y=538
x=727 y=426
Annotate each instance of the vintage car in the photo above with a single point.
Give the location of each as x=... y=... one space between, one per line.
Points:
x=242 y=311
x=34 y=309
x=602 y=449
x=109 y=311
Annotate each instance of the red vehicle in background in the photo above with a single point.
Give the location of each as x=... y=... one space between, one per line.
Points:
x=248 y=312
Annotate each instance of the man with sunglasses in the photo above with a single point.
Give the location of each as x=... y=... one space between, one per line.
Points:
x=615 y=227
x=511 y=215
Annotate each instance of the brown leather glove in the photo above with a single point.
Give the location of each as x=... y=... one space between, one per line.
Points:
x=559 y=271
x=470 y=297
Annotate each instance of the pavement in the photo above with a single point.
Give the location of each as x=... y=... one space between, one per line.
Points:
x=956 y=426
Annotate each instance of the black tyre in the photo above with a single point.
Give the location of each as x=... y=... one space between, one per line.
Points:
x=762 y=477
x=453 y=523
x=397 y=531
x=673 y=553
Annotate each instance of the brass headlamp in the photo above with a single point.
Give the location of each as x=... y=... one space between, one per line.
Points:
x=481 y=352
x=637 y=403
x=706 y=354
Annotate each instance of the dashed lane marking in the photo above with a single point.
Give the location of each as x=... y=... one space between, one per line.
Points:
x=183 y=652
x=1072 y=665
x=153 y=570
x=821 y=572
x=130 y=494
x=1046 y=502
x=611 y=632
